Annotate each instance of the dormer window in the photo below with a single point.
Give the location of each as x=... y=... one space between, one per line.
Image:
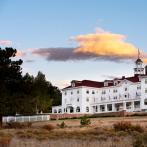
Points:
x=115 y=83
x=105 y=83
x=73 y=84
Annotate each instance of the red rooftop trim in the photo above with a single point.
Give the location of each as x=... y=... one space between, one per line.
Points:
x=96 y=84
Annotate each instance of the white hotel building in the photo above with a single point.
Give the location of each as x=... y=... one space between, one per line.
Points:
x=91 y=97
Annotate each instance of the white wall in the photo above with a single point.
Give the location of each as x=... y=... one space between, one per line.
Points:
x=70 y=96
x=143 y=94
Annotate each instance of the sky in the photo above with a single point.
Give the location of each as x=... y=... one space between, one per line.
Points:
x=75 y=39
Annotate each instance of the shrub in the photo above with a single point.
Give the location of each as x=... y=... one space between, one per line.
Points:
x=85 y=121
x=127 y=126
x=5 y=141
x=62 y=125
x=18 y=125
x=140 y=140
x=48 y=127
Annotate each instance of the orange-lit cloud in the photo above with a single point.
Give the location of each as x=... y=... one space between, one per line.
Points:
x=101 y=45
x=105 y=44
x=5 y=42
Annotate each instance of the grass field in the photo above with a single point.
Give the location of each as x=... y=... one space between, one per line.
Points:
x=100 y=133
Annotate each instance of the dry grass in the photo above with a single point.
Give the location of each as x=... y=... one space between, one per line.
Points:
x=100 y=133
x=5 y=139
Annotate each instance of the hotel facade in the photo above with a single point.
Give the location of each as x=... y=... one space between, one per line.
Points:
x=91 y=97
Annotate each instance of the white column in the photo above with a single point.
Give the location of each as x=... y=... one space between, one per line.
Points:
x=98 y=108
x=113 y=107
x=106 y=109
x=124 y=105
x=68 y=110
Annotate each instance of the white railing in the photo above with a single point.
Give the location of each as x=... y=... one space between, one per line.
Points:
x=32 y=118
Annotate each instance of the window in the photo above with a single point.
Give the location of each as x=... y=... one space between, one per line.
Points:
x=55 y=111
x=102 y=108
x=71 y=93
x=87 y=109
x=138 y=87
x=78 y=109
x=93 y=92
x=145 y=90
x=145 y=101
x=78 y=92
x=115 y=90
x=87 y=99
x=96 y=108
x=87 y=91
x=59 y=111
x=125 y=96
x=104 y=92
x=77 y=99
x=73 y=84
x=145 y=81
x=65 y=93
x=126 y=89
x=115 y=97
x=103 y=98
x=109 y=107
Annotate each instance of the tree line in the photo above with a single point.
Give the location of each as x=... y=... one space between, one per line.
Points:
x=23 y=94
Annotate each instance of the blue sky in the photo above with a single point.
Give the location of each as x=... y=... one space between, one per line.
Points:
x=35 y=24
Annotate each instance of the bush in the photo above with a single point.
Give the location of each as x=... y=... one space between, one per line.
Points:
x=48 y=127
x=18 y=125
x=62 y=125
x=5 y=141
x=140 y=140
x=85 y=121
x=127 y=126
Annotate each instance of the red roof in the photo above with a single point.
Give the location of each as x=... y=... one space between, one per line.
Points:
x=133 y=79
x=96 y=84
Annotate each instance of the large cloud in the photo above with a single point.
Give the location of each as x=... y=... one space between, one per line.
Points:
x=105 y=44
x=101 y=45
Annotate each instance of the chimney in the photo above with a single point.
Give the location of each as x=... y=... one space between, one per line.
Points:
x=123 y=77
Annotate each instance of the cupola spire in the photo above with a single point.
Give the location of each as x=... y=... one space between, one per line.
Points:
x=138 y=70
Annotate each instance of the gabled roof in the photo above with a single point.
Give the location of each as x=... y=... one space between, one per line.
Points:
x=96 y=84
x=133 y=79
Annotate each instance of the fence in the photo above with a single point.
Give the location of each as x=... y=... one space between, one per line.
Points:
x=26 y=118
